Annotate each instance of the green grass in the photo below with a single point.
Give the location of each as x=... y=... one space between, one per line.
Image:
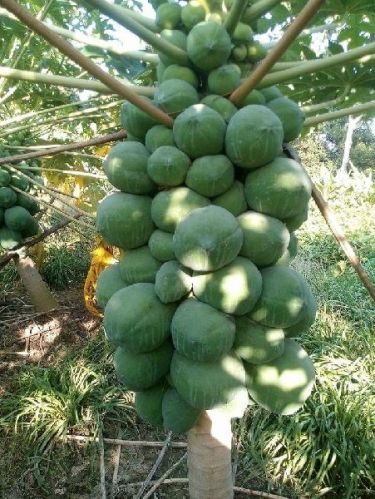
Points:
x=77 y=392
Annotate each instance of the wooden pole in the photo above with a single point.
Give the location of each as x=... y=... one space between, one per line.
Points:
x=84 y=62
x=274 y=55
x=209 y=457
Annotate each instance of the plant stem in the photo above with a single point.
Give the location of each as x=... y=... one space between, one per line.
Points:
x=67 y=81
x=234 y=15
x=141 y=19
x=73 y=173
x=105 y=45
x=259 y=8
x=361 y=54
x=86 y=63
x=274 y=55
x=86 y=113
x=34 y=114
x=118 y=14
x=313 y=108
x=66 y=147
x=25 y=44
x=334 y=115
x=54 y=208
x=310 y=31
x=53 y=194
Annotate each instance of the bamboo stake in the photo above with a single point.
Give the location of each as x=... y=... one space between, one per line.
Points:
x=234 y=15
x=155 y=466
x=165 y=475
x=336 y=229
x=241 y=490
x=86 y=63
x=274 y=55
x=66 y=147
x=126 y=443
x=334 y=115
x=69 y=82
x=119 y=15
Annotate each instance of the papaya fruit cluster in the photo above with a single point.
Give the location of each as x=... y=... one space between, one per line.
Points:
x=17 y=209
x=202 y=307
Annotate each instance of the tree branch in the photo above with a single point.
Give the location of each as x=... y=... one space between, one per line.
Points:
x=86 y=63
x=274 y=55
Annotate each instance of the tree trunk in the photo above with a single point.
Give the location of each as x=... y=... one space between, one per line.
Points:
x=353 y=123
x=209 y=457
x=41 y=297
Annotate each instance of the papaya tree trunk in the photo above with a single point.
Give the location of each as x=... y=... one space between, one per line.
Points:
x=209 y=457
x=40 y=295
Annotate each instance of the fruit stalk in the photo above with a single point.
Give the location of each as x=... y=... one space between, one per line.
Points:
x=209 y=457
x=234 y=15
x=86 y=63
x=274 y=55
x=118 y=14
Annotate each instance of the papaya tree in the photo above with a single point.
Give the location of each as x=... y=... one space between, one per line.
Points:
x=203 y=309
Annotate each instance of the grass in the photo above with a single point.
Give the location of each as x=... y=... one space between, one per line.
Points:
x=326 y=449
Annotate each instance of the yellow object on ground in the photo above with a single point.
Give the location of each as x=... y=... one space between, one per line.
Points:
x=102 y=256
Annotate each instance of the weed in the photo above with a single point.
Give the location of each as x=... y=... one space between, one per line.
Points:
x=77 y=393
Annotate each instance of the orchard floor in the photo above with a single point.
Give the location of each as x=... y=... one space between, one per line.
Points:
x=60 y=382
x=65 y=467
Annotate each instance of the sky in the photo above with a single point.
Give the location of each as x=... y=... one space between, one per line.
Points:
x=130 y=41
